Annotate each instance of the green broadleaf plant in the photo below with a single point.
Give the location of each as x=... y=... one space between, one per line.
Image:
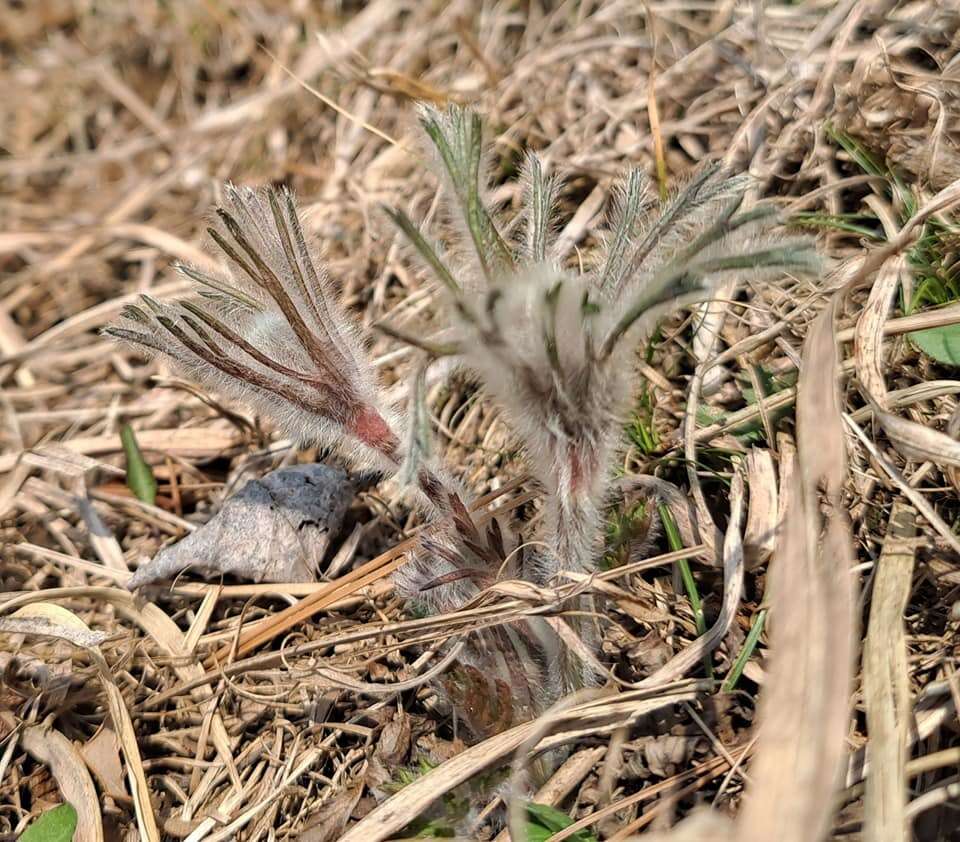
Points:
x=55 y=825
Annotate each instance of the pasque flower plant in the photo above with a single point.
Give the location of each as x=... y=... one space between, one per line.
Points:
x=553 y=345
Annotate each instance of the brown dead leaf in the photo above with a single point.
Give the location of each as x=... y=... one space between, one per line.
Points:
x=437 y=750
x=393 y=746
x=484 y=702
x=331 y=818
x=650 y=652
x=665 y=753
x=101 y=753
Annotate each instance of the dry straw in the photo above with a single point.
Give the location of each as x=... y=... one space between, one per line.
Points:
x=294 y=710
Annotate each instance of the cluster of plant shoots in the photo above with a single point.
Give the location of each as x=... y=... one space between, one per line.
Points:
x=554 y=346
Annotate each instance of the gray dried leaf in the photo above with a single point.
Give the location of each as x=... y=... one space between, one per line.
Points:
x=49 y=620
x=394 y=743
x=328 y=822
x=275 y=529
x=664 y=754
x=919 y=443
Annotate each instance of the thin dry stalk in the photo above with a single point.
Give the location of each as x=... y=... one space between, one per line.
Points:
x=886 y=689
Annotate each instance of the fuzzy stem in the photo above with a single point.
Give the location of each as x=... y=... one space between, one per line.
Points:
x=573 y=527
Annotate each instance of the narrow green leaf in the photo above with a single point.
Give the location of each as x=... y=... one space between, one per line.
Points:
x=941 y=343
x=427 y=252
x=756 y=629
x=56 y=825
x=550 y=817
x=836 y=222
x=140 y=478
x=547 y=820
x=675 y=542
x=863 y=158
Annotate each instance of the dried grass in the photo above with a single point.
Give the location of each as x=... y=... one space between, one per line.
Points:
x=261 y=712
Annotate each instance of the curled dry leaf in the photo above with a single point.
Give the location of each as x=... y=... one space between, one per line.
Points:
x=50 y=620
x=331 y=818
x=66 y=765
x=868 y=335
x=763 y=517
x=918 y=443
x=275 y=529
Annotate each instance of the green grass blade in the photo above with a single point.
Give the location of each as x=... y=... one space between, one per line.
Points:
x=753 y=636
x=140 y=478
x=424 y=249
x=686 y=574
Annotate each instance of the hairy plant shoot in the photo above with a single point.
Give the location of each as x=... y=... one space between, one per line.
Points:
x=553 y=345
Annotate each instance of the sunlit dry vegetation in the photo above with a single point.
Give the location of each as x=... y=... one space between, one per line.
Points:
x=553 y=434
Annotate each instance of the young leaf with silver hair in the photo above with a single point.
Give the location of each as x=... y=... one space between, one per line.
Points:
x=552 y=345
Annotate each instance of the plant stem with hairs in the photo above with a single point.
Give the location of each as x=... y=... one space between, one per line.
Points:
x=553 y=346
